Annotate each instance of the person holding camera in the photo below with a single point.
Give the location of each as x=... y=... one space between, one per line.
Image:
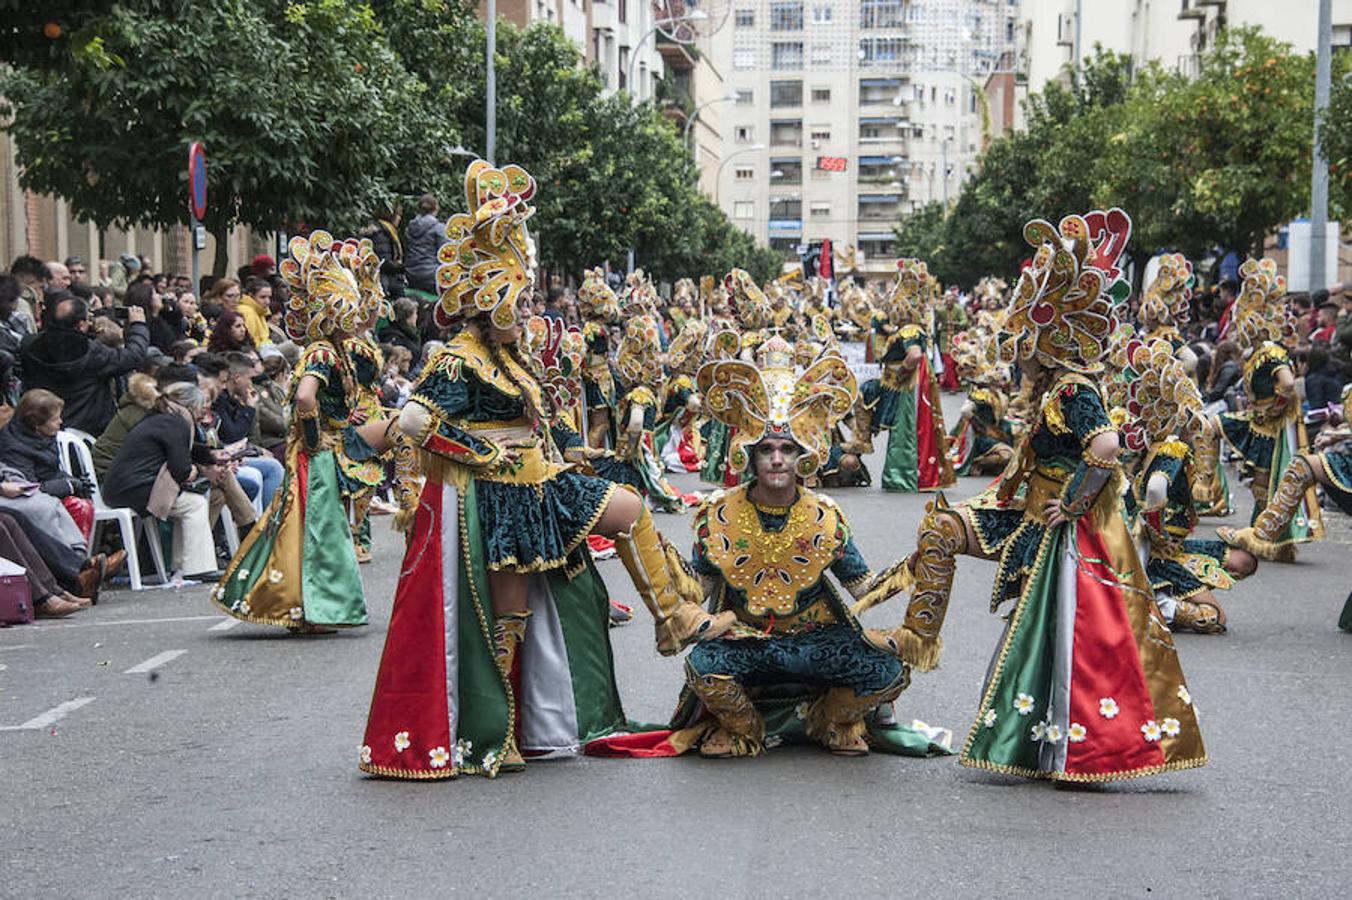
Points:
x=63 y=359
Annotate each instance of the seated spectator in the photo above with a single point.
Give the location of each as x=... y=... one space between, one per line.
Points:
x=255 y=307
x=12 y=334
x=79 y=272
x=224 y=294
x=139 y=399
x=1323 y=380
x=28 y=444
x=236 y=413
x=274 y=409
x=402 y=330
x=32 y=275
x=64 y=360
x=160 y=471
x=50 y=599
x=230 y=334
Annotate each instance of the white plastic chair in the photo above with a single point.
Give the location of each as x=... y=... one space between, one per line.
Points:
x=73 y=447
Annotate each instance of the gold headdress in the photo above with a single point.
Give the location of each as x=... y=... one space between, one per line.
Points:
x=1162 y=398
x=685 y=354
x=684 y=290
x=1172 y=286
x=640 y=297
x=1260 y=312
x=556 y=352
x=1062 y=311
x=639 y=359
x=595 y=298
x=912 y=293
x=748 y=301
x=773 y=399
x=991 y=288
x=489 y=259
x=335 y=286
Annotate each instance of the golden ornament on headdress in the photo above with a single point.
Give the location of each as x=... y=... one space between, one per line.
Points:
x=488 y=260
x=912 y=293
x=749 y=302
x=1261 y=313
x=685 y=354
x=595 y=298
x=334 y=286
x=639 y=358
x=1162 y=399
x=773 y=399
x=555 y=352
x=1060 y=313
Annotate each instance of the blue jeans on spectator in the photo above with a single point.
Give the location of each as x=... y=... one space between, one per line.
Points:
x=269 y=472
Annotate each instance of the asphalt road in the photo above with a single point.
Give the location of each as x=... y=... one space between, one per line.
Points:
x=197 y=757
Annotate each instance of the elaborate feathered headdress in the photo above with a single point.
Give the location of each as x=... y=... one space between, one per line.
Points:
x=489 y=259
x=595 y=299
x=749 y=303
x=334 y=285
x=774 y=399
x=1063 y=308
x=639 y=358
x=685 y=354
x=1161 y=397
x=1172 y=286
x=1260 y=312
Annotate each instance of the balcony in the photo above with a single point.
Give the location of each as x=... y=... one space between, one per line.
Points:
x=883 y=129
x=785 y=171
x=880 y=208
x=881 y=91
x=786 y=133
x=883 y=170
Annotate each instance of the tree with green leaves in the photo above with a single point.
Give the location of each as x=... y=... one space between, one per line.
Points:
x=307 y=116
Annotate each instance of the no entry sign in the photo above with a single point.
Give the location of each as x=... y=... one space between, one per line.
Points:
x=197 y=180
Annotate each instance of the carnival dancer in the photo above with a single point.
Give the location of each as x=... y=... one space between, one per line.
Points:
x=498 y=541
x=361 y=468
x=677 y=435
x=297 y=567
x=599 y=307
x=752 y=311
x=905 y=401
x=1270 y=432
x=1330 y=467
x=797 y=666
x=1165 y=409
x=1085 y=684
x=982 y=440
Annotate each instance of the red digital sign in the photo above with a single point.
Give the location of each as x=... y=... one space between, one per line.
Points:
x=831 y=163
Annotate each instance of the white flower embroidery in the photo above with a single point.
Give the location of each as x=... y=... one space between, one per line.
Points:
x=275 y=576
x=1184 y=695
x=1077 y=732
x=460 y=751
x=438 y=757
x=401 y=742
x=1108 y=707
x=1171 y=727
x=1037 y=731
x=989 y=718
x=244 y=607
x=296 y=613
x=1023 y=704
x=1151 y=731
x=772 y=740
x=1053 y=734
x=365 y=753
x=243 y=575
x=801 y=710
x=489 y=758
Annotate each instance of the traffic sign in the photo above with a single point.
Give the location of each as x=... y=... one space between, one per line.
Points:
x=197 y=180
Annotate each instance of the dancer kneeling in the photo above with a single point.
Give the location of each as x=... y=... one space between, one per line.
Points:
x=499 y=540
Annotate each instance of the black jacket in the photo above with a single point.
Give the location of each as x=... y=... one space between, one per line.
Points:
x=1323 y=387
x=35 y=456
x=234 y=420
x=1226 y=377
x=166 y=330
x=161 y=438
x=399 y=336
x=82 y=371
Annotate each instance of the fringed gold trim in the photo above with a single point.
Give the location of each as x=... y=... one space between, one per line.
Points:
x=409 y=774
x=922 y=653
x=1090 y=778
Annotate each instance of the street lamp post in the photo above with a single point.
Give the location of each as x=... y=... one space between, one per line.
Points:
x=718 y=176
x=1319 y=176
x=690 y=123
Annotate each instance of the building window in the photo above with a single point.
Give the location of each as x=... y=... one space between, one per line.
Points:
x=821 y=54
x=821 y=14
x=786 y=133
x=881 y=51
x=622 y=9
x=821 y=95
x=786 y=93
x=745 y=98
x=743 y=134
x=820 y=209
x=744 y=57
x=744 y=173
x=744 y=209
x=881 y=13
x=746 y=18
x=821 y=132
x=786 y=208
x=787 y=246
x=786 y=15
x=786 y=170
x=785 y=55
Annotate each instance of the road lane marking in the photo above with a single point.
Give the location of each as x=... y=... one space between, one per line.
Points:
x=18 y=647
x=133 y=621
x=155 y=662
x=224 y=625
x=50 y=717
